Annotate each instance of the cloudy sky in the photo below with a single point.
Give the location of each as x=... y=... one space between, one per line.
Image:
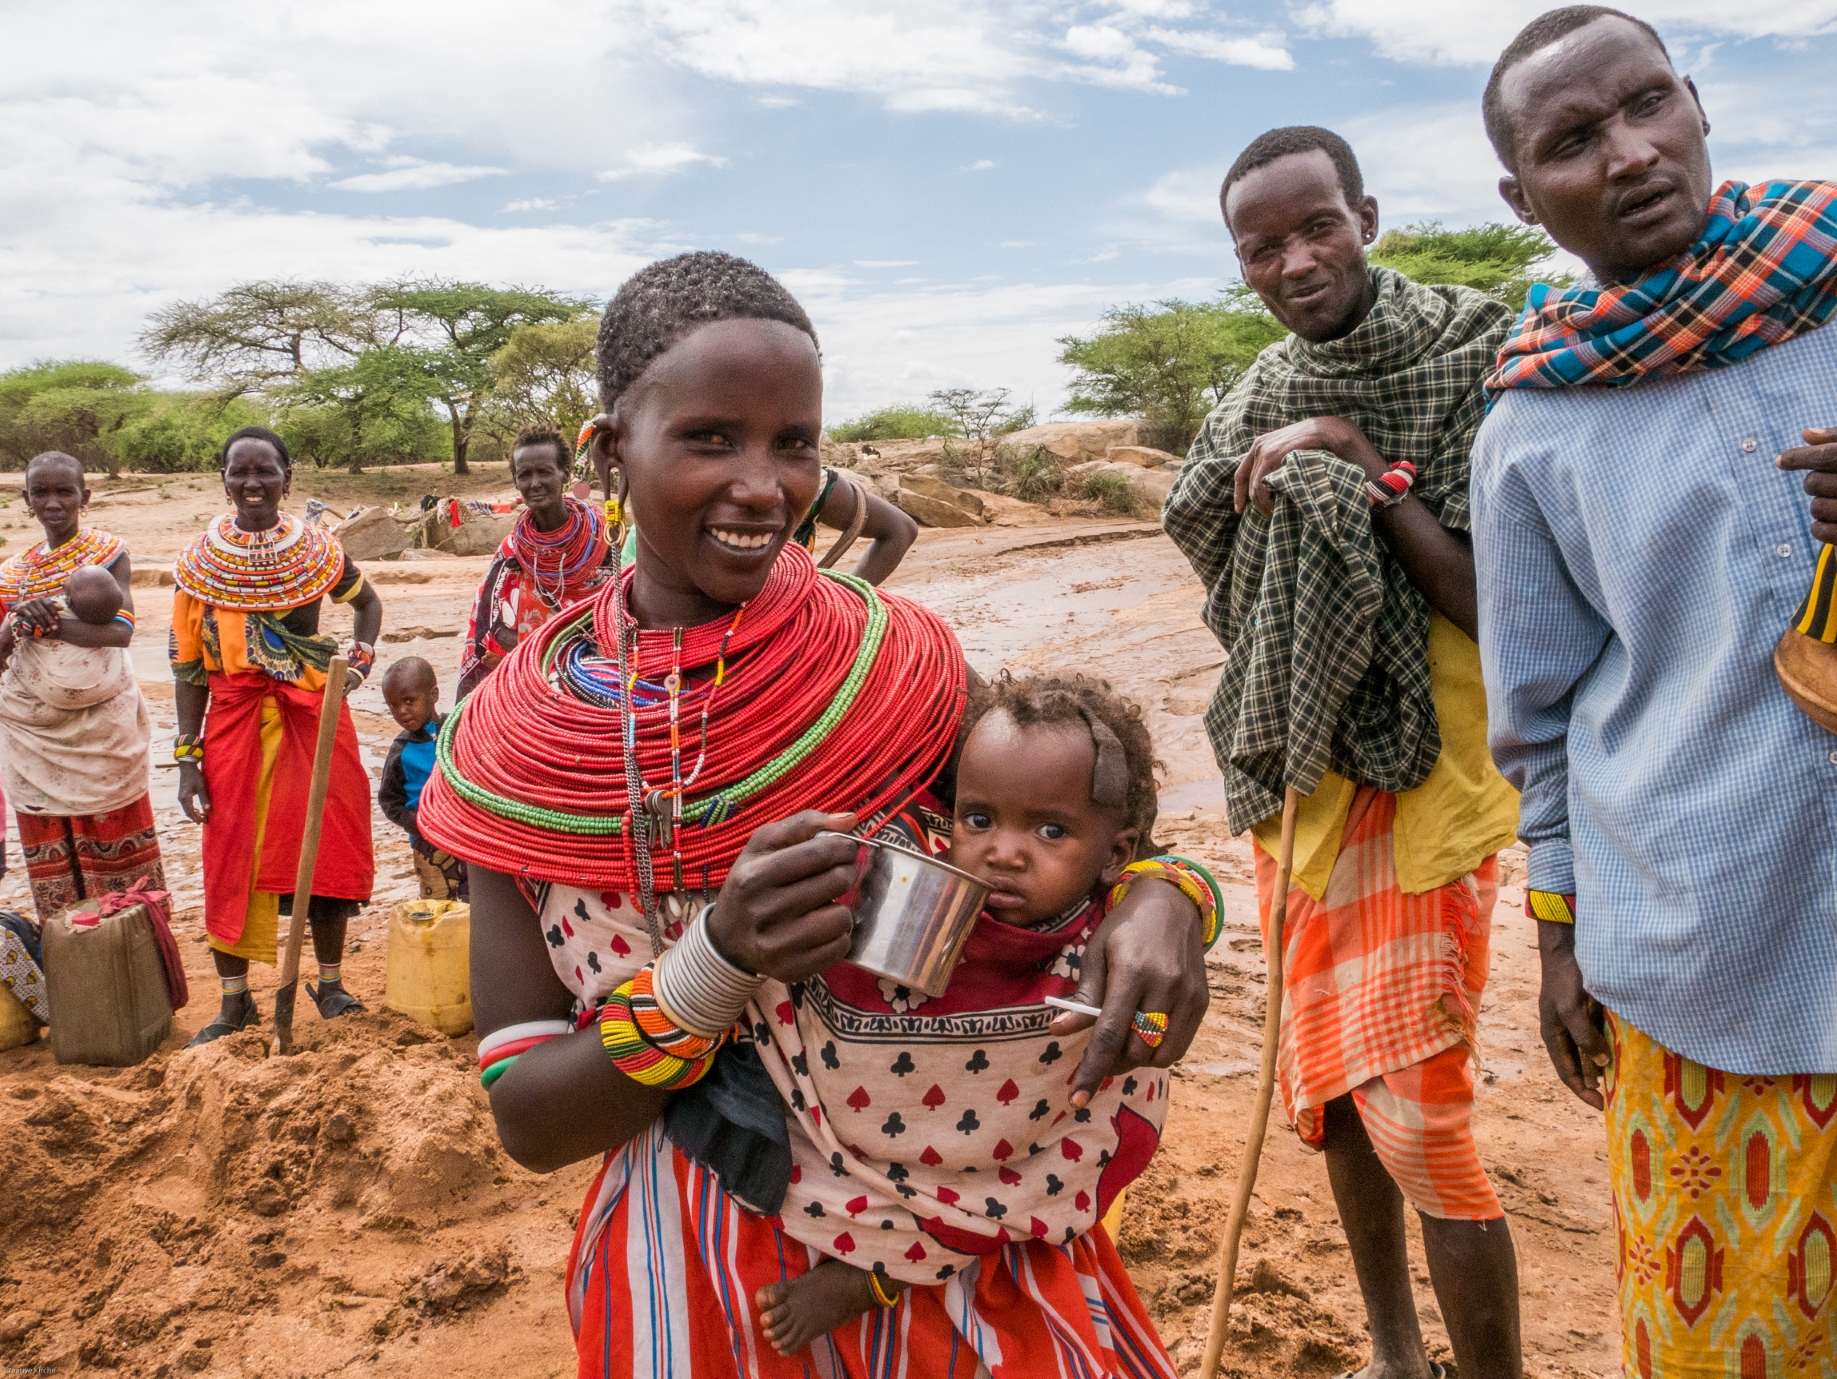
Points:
x=946 y=184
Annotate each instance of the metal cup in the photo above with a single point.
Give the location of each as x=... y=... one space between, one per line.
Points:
x=913 y=914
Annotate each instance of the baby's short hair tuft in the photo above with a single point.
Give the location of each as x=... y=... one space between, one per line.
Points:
x=1075 y=701
x=661 y=303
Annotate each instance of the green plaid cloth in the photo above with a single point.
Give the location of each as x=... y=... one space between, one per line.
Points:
x=1328 y=639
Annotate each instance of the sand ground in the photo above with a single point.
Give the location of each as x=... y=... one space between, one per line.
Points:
x=347 y=1210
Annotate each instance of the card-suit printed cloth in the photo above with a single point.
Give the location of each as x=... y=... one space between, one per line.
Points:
x=924 y=1132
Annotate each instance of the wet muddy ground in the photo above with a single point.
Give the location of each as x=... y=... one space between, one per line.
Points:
x=348 y=1211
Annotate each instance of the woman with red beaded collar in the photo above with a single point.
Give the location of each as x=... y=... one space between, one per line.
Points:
x=249 y=667
x=559 y=552
x=644 y=886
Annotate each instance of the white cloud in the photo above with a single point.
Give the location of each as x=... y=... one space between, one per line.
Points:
x=656 y=159
x=885 y=263
x=983 y=165
x=1002 y=335
x=534 y=203
x=961 y=55
x=1460 y=31
x=70 y=290
x=1428 y=160
x=413 y=174
x=1264 y=50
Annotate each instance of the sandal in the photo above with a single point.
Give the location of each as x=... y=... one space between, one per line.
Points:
x=217 y=1028
x=333 y=1001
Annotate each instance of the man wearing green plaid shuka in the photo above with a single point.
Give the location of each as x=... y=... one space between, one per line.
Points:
x=1324 y=505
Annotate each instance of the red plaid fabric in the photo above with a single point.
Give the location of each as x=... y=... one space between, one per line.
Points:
x=1763 y=270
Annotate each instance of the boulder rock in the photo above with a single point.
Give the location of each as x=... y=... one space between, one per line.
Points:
x=479 y=534
x=1150 y=486
x=934 y=512
x=1144 y=455
x=371 y=534
x=933 y=487
x=895 y=456
x=1074 y=441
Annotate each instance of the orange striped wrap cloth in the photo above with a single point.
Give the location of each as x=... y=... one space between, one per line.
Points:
x=1380 y=1001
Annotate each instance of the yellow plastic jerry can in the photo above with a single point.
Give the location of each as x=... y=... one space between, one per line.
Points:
x=429 y=978
x=17 y=1027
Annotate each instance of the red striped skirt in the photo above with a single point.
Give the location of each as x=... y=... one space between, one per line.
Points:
x=665 y=1266
x=72 y=857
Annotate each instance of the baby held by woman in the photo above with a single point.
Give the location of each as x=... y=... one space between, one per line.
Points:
x=1055 y=801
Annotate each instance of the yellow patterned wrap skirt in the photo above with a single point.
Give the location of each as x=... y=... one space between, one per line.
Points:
x=1725 y=1207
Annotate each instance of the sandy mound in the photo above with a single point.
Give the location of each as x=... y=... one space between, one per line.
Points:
x=162 y=1211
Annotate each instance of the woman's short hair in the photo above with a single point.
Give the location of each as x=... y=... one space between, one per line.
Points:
x=254 y=433
x=542 y=435
x=661 y=303
x=54 y=457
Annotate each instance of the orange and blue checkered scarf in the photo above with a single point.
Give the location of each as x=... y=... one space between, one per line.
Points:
x=1763 y=270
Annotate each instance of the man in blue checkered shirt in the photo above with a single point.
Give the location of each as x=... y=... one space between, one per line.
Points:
x=1641 y=544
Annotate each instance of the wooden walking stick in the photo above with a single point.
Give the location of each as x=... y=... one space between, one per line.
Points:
x=329 y=706
x=1266 y=1085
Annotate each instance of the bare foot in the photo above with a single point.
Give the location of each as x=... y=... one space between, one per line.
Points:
x=796 y=1312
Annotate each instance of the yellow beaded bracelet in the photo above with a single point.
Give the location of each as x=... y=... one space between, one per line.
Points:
x=1191 y=886
x=639 y=1059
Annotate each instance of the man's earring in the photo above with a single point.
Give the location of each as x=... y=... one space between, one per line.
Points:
x=615 y=505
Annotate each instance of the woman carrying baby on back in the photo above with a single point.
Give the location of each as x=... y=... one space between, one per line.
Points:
x=648 y=794
x=74 y=730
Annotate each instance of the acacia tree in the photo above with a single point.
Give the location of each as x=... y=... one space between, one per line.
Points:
x=1169 y=363
x=458 y=327
x=375 y=408
x=976 y=413
x=259 y=334
x=78 y=406
x=1496 y=259
x=544 y=375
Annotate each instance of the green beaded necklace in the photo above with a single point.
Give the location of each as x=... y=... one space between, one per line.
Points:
x=712 y=808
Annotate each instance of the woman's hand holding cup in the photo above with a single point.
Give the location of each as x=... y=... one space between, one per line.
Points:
x=777 y=915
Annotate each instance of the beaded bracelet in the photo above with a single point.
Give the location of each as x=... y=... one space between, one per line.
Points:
x=658 y=1029
x=1391 y=487
x=499 y=1049
x=361 y=657
x=1193 y=881
x=881 y=1293
x=188 y=747
x=126 y=619
x=1551 y=907
x=639 y=1059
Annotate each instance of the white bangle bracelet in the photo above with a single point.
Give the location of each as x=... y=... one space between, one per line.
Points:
x=698 y=988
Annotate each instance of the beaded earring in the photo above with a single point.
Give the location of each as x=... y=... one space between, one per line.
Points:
x=615 y=506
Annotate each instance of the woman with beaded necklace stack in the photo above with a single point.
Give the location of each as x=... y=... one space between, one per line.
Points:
x=644 y=792
x=250 y=668
x=73 y=725
x=559 y=552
